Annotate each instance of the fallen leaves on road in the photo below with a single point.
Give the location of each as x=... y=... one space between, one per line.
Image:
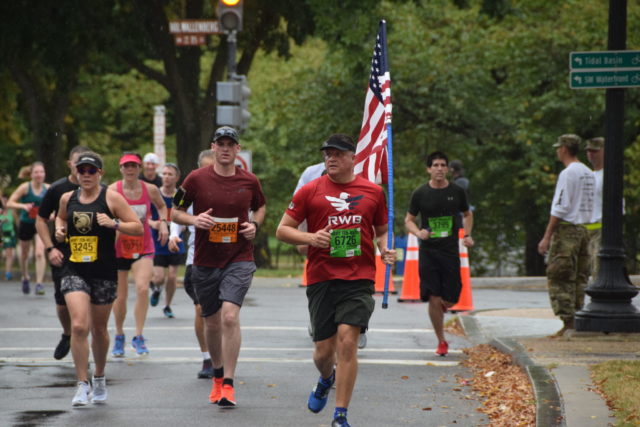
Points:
x=507 y=394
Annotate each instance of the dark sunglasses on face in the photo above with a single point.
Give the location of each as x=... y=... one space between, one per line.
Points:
x=90 y=171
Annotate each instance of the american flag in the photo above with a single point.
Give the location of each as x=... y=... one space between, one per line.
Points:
x=371 y=152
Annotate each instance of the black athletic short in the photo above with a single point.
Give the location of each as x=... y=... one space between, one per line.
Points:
x=56 y=275
x=337 y=302
x=169 y=259
x=26 y=230
x=188 y=285
x=124 y=264
x=439 y=275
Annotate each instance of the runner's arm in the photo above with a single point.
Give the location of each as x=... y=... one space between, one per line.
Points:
x=411 y=227
x=158 y=201
x=388 y=255
x=13 y=202
x=288 y=232
x=467 y=223
x=129 y=222
x=61 y=218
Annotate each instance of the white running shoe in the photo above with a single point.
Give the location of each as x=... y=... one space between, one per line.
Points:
x=99 y=390
x=82 y=394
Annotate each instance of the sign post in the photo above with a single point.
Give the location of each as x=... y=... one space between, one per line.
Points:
x=604 y=70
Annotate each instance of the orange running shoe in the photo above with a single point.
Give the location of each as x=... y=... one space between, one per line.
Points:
x=443 y=348
x=216 y=390
x=227 y=398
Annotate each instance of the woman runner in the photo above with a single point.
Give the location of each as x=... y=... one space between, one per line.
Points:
x=88 y=218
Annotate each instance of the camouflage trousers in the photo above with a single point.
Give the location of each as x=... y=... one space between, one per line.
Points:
x=568 y=269
x=595 y=237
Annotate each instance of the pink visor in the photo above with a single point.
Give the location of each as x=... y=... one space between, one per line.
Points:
x=130 y=158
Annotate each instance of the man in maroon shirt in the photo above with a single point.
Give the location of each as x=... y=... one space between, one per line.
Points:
x=344 y=213
x=222 y=196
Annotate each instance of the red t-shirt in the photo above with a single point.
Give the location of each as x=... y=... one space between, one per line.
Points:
x=230 y=198
x=352 y=210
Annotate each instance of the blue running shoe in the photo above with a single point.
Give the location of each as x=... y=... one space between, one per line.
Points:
x=340 y=422
x=25 y=286
x=155 y=296
x=118 y=346
x=320 y=393
x=138 y=344
x=167 y=312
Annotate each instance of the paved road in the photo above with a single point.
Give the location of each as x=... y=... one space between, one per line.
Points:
x=401 y=381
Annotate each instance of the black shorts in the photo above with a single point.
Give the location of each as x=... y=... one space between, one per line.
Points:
x=188 y=285
x=337 y=302
x=170 y=259
x=124 y=264
x=439 y=275
x=213 y=286
x=26 y=230
x=56 y=275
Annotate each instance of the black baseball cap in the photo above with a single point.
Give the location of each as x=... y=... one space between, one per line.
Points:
x=225 y=131
x=339 y=141
x=87 y=159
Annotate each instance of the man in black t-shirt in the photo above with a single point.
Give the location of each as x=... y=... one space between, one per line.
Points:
x=443 y=210
x=57 y=252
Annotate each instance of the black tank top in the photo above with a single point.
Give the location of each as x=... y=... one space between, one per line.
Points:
x=93 y=253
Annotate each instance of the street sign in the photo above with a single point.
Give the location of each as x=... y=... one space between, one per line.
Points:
x=604 y=79
x=194 y=26
x=190 y=39
x=605 y=59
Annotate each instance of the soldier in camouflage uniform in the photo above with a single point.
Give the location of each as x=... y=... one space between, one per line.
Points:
x=566 y=238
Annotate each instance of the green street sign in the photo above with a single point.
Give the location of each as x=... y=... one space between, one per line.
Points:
x=605 y=60
x=604 y=79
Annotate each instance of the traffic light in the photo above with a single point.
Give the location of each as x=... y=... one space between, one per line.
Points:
x=230 y=15
x=234 y=95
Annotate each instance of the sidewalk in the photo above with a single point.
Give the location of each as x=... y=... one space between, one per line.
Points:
x=558 y=367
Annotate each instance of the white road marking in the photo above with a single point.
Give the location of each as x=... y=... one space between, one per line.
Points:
x=244 y=328
x=265 y=349
x=147 y=359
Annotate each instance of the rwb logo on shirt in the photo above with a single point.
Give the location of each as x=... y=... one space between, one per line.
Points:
x=343 y=202
x=339 y=220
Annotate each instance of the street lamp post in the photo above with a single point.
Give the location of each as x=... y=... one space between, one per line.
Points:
x=611 y=309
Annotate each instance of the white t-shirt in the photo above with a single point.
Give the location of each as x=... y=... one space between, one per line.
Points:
x=310 y=173
x=597 y=199
x=574 y=198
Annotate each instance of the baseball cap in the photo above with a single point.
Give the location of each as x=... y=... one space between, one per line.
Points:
x=568 y=140
x=339 y=141
x=130 y=158
x=87 y=159
x=225 y=131
x=151 y=158
x=595 y=143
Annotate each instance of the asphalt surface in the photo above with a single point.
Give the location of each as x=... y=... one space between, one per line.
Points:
x=400 y=381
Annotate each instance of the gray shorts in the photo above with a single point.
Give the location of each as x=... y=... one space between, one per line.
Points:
x=102 y=292
x=213 y=286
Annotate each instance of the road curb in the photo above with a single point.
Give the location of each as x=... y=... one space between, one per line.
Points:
x=549 y=405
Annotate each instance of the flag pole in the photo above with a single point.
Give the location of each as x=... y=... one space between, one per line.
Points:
x=387 y=273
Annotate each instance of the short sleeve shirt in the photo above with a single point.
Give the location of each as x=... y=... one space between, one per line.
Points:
x=439 y=210
x=352 y=210
x=230 y=198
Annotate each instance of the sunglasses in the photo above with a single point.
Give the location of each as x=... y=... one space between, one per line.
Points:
x=90 y=171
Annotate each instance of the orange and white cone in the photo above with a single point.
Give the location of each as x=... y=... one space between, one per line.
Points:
x=305 y=281
x=411 y=280
x=465 y=302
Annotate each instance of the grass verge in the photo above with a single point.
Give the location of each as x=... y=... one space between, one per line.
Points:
x=618 y=382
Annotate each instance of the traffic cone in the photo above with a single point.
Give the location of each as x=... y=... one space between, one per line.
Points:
x=380 y=273
x=465 y=302
x=411 y=280
x=305 y=281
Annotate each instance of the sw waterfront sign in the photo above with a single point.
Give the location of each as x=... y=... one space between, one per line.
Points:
x=606 y=70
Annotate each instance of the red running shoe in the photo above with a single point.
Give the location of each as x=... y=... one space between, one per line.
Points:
x=443 y=348
x=227 y=399
x=216 y=390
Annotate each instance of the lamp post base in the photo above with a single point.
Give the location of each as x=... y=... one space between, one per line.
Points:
x=608 y=316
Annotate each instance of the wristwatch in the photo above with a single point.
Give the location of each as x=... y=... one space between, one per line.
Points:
x=256 y=225
x=116 y=222
x=49 y=249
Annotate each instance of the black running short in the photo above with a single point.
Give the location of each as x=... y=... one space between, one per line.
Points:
x=439 y=275
x=337 y=302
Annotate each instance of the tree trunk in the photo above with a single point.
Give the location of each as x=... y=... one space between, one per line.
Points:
x=533 y=262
